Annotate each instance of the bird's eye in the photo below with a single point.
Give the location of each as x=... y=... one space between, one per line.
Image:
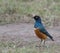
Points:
x=36 y=17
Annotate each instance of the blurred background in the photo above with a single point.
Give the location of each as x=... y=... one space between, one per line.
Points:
x=17 y=25
x=17 y=11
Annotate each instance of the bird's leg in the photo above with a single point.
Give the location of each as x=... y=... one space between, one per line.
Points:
x=44 y=43
x=41 y=42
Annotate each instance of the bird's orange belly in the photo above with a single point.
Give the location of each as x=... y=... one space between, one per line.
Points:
x=40 y=34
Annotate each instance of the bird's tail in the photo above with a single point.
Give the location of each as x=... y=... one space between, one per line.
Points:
x=50 y=37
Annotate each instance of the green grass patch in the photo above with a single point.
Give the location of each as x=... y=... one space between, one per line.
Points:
x=30 y=49
x=45 y=8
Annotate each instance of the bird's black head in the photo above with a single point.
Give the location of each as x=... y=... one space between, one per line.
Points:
x=37 y=18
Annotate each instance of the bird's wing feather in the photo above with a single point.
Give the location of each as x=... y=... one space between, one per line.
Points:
x=43 y=30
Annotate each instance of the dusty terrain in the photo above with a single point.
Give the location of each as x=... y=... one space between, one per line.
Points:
x=22 y=35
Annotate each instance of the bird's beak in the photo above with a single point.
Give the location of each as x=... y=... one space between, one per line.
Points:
x=33 y=15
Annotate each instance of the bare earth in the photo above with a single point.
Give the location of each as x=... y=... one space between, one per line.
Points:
x=26 y=32
x=22 y=34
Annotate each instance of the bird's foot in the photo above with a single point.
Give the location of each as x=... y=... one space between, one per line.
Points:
x=38 y=46
x=45 y=46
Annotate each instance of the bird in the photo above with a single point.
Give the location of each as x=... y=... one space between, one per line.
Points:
x=40 y=30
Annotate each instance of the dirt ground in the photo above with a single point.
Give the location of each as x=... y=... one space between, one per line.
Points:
x=22 y=35
x=25 y=32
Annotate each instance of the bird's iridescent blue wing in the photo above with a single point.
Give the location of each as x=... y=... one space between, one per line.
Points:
x=42 y=29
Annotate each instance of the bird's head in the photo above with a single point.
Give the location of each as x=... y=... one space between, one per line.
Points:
x=37 y=18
